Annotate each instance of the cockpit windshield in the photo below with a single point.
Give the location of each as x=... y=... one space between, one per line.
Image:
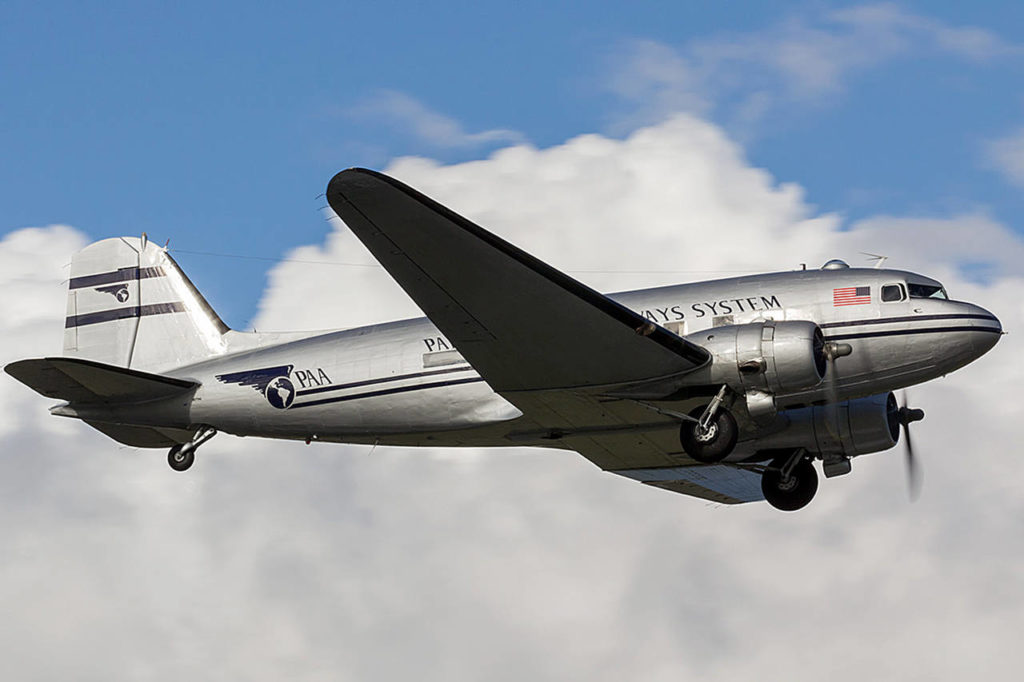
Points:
x=927 y=291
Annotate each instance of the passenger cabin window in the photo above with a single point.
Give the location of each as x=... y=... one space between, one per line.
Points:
x=927 y=291
x=893 y=292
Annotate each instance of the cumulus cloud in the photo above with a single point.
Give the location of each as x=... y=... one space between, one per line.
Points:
x=618 y=214
x=806 y=58
x=408 y=115
x=271 y=560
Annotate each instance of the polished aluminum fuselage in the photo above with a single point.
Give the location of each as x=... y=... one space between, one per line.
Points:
x=404 y=383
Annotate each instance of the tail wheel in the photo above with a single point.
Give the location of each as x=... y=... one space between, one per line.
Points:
x=792 y=492
x=715 y=443
x=181 y=458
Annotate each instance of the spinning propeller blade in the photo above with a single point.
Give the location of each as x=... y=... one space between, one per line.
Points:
x=907 y=416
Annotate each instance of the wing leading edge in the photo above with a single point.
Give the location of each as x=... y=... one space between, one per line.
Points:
x=524 y=325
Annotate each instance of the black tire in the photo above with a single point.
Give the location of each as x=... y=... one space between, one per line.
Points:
x=794 y=493
x=181 y=460
x=718 y=444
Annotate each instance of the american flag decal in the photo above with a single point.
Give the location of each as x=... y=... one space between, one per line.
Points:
x=851 y=296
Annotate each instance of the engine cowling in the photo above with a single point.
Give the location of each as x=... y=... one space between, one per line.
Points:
x=766 y=357
x=850 y=428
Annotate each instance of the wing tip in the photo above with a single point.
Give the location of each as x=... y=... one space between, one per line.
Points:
x=344 y=182
x=344 y=177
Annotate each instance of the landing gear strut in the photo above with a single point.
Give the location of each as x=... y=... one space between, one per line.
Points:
x=790 y=481
x=183 y=455
x=711 y=433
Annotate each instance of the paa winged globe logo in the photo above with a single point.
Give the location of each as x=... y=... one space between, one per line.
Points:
x=272 y=382
x=118 y=291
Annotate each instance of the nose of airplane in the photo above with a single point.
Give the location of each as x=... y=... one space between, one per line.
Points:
x=967 y=332
x=987 y=329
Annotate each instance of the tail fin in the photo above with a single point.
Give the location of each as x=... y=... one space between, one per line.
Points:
x=130 y=305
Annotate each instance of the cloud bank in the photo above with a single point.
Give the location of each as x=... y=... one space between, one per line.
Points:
x=618 y=214
x=271 y=560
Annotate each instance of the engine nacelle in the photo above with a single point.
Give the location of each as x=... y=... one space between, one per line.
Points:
x=850 y=428
x=763 y=357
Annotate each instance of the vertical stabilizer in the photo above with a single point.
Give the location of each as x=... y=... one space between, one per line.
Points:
x=129 y=304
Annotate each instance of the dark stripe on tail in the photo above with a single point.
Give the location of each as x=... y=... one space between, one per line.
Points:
x=119 y=275
x=123 y=313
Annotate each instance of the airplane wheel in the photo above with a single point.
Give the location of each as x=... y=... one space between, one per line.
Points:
x=793 y=493
x=181 y=459
x=716 y=444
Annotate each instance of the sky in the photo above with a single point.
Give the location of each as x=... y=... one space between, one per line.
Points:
x=629 y=145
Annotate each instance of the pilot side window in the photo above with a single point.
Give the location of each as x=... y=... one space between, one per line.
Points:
x=893 y=292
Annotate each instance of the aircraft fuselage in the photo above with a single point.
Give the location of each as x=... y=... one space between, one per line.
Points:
x=404 y=383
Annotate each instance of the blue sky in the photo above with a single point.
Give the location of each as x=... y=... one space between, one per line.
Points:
x=217 y=127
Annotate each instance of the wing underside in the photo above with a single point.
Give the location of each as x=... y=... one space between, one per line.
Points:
x=722 y=483
x=142 y=436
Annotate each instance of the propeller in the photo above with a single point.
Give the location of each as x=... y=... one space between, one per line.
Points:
x=907 y=416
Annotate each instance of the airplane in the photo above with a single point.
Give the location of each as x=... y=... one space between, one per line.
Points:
x=727 y=390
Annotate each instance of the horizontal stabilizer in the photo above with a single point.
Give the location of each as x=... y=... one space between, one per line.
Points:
x=86 y=381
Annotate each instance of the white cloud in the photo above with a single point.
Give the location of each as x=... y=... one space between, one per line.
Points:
x=408 y=115
x=34 y=264
x=1006 y=155
x=805 y=59
x=271 y=560
x=902 y=29
x=611 y=211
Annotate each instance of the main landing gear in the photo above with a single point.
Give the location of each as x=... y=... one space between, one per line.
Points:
x=183 y=455
x=710 y=434
x=790 y=481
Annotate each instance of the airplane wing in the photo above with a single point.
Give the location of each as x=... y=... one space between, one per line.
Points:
x=547 y=343
x=524 y=325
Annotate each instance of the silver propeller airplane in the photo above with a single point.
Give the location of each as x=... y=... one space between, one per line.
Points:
x=725 y=390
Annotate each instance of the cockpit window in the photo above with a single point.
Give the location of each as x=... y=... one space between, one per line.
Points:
x=892 y=292
x=927 y=291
